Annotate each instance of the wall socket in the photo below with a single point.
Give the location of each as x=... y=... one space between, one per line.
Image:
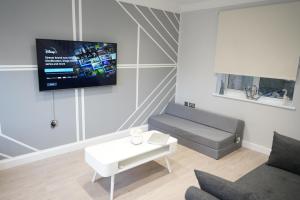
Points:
x=192 y=105
x=189 y=104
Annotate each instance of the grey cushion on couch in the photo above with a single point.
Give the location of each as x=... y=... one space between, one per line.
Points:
x=208 y=133
x=285 y=153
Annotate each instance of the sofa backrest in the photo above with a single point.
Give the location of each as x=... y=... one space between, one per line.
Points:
x=221 y=122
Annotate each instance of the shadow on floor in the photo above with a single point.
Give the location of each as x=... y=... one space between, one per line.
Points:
x=124 y=182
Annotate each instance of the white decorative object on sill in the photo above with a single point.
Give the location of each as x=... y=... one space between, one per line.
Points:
x=286 y=99
x=136 y=136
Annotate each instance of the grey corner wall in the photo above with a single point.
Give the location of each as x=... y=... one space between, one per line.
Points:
x=147 y=60
x=196 y=82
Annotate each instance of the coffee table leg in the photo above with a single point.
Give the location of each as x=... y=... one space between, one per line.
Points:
x=112 y=185
x=168 y=164
x=94 y=177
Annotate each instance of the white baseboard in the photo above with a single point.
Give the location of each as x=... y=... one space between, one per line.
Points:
x=256 y=147
x=47 y=153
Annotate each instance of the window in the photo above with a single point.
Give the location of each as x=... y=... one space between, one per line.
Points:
x=239 y=82
x=276 y=88
x=259 y=89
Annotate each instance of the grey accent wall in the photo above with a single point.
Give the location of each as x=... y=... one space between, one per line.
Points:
x=178 y=16
x=8 y=147
x=138 y=16
x=108 y=107
x=163 y=99
x=106 y=21
x=2 y=157
x=173 y=19
x=149 y=79
x=151 y=101
x=25 y=113
x=159 y=26
x=160 y=14
x=23 y=21
x=150 y=52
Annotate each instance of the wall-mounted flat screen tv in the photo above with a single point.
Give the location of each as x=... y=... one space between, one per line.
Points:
x=73 y=64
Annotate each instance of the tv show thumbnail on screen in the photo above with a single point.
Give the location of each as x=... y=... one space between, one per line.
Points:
x=72 y=64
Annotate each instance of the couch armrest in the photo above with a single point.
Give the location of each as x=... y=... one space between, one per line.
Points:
x=239 y=133
x=194 y=193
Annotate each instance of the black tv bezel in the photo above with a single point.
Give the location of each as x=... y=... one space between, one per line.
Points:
x=40 y=68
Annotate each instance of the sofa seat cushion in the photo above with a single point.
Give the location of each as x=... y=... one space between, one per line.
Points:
x=272 y=183
x=199 y=133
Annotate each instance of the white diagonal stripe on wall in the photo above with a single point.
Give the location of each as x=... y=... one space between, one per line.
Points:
x=163 y=25
x=148 y=97
x=162 y=37
x=148 y=106
x=171 y=21
x=147 y=12
x=164 y=20
x=160 y=102
x=147 y=32
x=18 y=142
x=164 y=108
x=176 y=18
x=5 y=155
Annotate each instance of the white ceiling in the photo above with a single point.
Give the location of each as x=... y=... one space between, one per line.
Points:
x=190 y=5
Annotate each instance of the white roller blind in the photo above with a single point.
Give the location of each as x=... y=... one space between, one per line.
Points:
x=260 y=41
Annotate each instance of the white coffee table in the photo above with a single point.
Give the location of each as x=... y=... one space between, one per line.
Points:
x=113 y=157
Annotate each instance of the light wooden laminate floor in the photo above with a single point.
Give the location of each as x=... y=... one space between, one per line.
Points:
x=67 y=177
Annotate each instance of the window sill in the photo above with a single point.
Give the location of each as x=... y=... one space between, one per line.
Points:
x=240 y=96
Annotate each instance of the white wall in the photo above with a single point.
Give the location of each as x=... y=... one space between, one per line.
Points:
x=196 y=82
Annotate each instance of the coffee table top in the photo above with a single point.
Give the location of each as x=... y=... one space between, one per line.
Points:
x=122 y=149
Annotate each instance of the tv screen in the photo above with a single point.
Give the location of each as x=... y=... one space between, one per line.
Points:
x=72 y=64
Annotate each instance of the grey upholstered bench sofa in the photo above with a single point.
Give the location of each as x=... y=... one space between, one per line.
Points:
x=211 y=134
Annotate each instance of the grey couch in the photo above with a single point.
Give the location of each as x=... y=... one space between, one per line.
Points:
x=270 y=183
x=278 y=179
x=211 y=134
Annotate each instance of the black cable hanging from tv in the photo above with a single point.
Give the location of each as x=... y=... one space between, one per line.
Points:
x=53 y=122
